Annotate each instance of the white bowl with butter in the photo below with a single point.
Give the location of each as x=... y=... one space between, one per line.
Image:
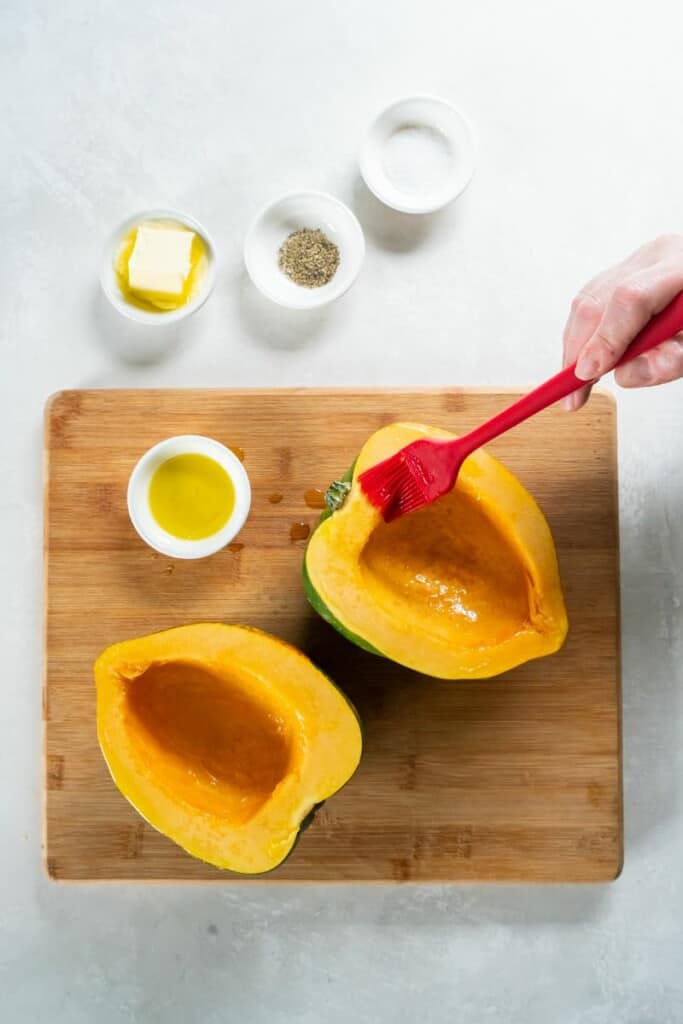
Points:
x=158 y=266
x=141 y=497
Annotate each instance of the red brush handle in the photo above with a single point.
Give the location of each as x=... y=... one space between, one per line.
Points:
x=660 y=328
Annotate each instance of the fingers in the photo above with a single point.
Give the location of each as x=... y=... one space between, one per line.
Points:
x=608 y=313
x=660 y=366
x=577 y=399
x=584 y=317
x=633 y=302
x=589 y=305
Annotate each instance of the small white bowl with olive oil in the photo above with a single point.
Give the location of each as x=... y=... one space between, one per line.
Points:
x=136 y=246
x=188 y=496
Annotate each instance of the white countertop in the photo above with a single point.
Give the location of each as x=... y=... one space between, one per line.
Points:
x=216 y=108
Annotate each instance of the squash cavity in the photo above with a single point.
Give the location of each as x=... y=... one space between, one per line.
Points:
x=223 y=738
x=208 y=740
x=466 y=587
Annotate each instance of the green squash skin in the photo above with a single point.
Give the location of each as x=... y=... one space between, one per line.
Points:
x=319 y=605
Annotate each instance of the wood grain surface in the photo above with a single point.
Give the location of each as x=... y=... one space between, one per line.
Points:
x=517 y=778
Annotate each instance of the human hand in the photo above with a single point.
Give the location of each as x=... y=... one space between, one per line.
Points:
x=611 y=309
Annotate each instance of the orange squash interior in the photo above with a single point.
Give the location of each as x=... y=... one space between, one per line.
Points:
x=223 y=738
x=465 y=587
x=450 y=560
x=221 y=750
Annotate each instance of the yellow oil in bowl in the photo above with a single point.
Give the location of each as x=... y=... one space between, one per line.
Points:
x=191 y=496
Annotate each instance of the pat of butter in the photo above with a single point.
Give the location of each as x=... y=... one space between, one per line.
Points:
x=160 y=260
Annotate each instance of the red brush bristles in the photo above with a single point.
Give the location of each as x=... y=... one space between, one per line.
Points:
x=392 y=488
x=402 y=483
x=381 y=482
x=415 y=476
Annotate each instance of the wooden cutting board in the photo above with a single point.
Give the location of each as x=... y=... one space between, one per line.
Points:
x=516 y=778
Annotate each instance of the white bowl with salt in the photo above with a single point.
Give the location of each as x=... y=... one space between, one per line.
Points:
x=419 y=154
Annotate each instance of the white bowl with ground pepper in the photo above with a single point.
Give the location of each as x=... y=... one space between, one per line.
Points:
x=304 y=250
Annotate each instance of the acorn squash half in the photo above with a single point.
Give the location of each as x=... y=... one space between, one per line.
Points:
x=224 y=738
x=465 y=587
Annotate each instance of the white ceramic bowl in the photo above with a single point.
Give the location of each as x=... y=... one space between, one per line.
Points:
x=141 y=513
x=110 y=285
x=276 y=222
x=450 y=133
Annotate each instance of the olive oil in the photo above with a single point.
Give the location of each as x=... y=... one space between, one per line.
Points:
x=191 y=496
x=315 y=498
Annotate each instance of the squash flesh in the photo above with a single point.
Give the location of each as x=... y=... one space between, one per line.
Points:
x=215 y=746
x=449 y=567
x=233 y=793
x=362 y=574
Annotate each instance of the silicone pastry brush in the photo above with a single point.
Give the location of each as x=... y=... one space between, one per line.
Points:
x=425 y=470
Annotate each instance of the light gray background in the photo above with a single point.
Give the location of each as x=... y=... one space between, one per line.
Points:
x=217 y=108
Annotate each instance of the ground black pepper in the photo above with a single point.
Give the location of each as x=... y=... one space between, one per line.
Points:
x=308 y=258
